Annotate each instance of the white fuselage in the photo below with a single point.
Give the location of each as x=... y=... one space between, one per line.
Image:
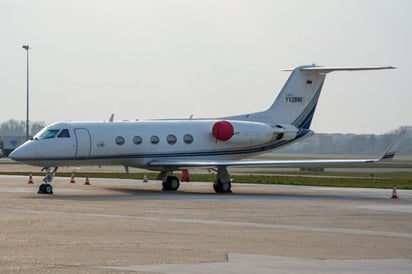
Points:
x=137 y=143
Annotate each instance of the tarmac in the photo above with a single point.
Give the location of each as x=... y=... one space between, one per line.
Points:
x=127 y=226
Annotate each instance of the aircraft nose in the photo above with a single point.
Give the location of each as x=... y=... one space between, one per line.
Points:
x=22 y=152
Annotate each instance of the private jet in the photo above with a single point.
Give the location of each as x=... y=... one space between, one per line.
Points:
x=174 y=144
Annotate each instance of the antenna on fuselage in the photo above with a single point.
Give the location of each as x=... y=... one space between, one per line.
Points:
x=111 y=117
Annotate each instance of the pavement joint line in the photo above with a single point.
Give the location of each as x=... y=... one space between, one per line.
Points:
x=216 y=222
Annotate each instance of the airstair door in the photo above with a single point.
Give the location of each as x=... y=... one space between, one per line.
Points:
x=83 y=143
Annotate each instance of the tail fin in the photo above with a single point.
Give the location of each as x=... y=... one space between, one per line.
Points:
x=296 y=102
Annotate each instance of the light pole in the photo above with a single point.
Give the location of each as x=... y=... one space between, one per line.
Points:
x=26 y=47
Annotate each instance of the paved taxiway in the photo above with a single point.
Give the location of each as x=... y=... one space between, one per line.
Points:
x=126 y=225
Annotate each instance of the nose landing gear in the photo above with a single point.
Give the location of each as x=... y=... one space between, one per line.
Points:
x=47 y=188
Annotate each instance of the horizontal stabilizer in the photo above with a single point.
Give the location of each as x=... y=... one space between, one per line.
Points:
x=321 y=69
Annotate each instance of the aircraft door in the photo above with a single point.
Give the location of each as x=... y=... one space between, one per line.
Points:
x=83 y=143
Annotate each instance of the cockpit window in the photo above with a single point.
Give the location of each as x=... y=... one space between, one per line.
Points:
x=50 y=133
x=64 y=134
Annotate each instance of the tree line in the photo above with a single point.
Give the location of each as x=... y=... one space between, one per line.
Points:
x=14 y=127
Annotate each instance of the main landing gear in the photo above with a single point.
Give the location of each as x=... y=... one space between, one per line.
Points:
x=222 y=182
x=47 y=188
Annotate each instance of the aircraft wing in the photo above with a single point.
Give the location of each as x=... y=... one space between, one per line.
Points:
x=387 y=155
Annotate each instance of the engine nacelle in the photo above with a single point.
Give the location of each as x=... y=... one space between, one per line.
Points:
x=285 y=132
x=242 y=132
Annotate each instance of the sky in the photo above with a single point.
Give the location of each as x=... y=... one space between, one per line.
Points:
x=173 y=59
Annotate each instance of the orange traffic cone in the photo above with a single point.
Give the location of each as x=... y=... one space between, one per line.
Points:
x=30 y=179
x=394 y=193
x=72 y=181
x=145 y=180
x=87 y=182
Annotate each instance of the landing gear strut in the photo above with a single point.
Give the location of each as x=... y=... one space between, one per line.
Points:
x=47 y=188
x=169 y=182
x=222 y=182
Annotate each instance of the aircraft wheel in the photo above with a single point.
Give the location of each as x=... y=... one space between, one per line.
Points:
x=171 y=183
x=41 y=189
x=48 y=189
x=227 y=187
x=220 y=187
x=45 y=189
x=217 y=188
x=174 y=183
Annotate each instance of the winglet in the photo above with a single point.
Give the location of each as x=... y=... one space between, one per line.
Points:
x=392 y=148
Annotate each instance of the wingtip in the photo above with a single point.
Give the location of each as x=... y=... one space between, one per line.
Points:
x=392 y=149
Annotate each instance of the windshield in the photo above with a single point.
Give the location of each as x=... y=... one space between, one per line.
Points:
x=49 y=133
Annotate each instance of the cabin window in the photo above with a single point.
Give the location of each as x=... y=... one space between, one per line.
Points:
x=64 y=134
x=50 y=133
x=154 y=139
x=137 y=140
x=188 y=139
x=119 y=140
x=171 y=139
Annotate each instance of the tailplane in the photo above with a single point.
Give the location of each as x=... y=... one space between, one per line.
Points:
x=296 y=103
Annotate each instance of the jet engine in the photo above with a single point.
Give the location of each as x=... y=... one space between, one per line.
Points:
x=285 y=132
x=242 y=132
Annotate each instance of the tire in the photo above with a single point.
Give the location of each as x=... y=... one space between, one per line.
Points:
x=41 y=189
x=174 y=183
x=48 y=189
x=217 y=187
x=171 y=183
x=227 y=187
x=165 y=185
x=220 y=187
